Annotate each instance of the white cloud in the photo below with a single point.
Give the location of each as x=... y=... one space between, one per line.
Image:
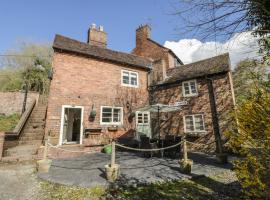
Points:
x=240 y=47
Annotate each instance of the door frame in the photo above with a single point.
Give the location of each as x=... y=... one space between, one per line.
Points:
x=62 y=123
x=149 y=122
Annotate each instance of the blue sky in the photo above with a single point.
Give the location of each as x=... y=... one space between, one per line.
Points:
x=40 y=20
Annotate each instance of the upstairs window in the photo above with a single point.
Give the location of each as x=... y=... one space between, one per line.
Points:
x=111 y=115
x=194 y=123
x=189 y=88
x=130 y=78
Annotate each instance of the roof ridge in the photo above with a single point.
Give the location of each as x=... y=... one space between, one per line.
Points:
x=203 y=60
x=97 y=47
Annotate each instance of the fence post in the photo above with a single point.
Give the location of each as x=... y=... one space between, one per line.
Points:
x=185 y=149
x=113 y=154
x=45 y=152
x=2 y=140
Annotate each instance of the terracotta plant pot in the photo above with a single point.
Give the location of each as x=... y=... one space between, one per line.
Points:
x=185 y=166
x=43 y=166
x=112 y=173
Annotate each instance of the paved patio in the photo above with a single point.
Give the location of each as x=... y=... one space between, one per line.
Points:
x=88 y=170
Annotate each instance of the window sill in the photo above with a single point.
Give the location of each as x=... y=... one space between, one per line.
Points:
x=132 y=86
x=192 y=95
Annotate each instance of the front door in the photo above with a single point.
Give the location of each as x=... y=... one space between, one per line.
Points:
x=71 y=125
x=143 y=124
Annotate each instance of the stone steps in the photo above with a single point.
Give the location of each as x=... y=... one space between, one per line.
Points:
x=33 y=130
x=19 y=158
x=30 y=134
x=22 y=150
x=30 y=142
x=31 y=137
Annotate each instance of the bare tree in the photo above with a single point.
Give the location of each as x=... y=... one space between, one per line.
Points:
x=221 y=19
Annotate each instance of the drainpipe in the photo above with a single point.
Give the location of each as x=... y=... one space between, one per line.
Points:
x=215 y=119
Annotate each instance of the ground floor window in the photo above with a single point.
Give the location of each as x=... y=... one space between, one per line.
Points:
x=111 y=115
x=194 y=123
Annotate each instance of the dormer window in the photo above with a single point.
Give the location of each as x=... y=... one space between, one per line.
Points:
x=189 y=88
x=130 y=78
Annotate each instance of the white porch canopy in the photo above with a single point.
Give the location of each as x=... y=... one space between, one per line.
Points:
x=160 y=108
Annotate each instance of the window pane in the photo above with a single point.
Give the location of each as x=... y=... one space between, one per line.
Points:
x=199 y=123
x=189 y=123
x=145 y=117
x=186 y=87
x=106 y=114
x=125 y=78
x=140 y=118
x=116 y=115
x=193 y=87
x=106 y=119
x=134 y=80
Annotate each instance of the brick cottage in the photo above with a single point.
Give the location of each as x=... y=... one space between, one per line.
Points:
x=97 y=94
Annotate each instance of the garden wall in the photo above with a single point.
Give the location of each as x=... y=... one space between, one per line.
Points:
x=12 y=102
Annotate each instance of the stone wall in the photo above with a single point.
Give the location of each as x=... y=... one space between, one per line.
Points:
x=12 y=102
x=92 y=83
x=172 y=123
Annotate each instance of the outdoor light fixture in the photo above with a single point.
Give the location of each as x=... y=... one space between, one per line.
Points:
x=128 y=104
x=93 y=112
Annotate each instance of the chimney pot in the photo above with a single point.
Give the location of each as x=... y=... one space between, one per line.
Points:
x=97 y=37
x=93 y=26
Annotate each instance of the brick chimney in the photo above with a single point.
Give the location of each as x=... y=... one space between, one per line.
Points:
x=142 y=33
x=97 y=36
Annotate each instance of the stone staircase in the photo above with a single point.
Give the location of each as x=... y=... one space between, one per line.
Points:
x=31 y=137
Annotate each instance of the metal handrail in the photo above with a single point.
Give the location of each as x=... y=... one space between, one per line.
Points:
x=17 y=130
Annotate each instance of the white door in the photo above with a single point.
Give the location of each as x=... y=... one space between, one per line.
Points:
x=71 y=130
x=143 y=124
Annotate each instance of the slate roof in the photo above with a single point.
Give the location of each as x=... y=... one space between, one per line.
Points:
x=70 y=45
x=215 y=65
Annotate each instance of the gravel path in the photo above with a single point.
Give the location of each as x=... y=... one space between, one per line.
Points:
x=88 y=170
x=18 y=182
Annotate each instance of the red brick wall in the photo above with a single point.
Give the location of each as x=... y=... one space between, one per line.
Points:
x=12 y=102
x=86 y=82
x=172 y=123
x=147 y=48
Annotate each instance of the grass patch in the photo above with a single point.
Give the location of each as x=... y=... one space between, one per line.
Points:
x=8 y=123
x=51 y=191
x=203 y=188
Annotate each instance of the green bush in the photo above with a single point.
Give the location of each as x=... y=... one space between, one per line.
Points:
x=8 y=123
x=252 y=142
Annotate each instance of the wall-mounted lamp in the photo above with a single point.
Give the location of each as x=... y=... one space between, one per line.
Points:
x=93 y=113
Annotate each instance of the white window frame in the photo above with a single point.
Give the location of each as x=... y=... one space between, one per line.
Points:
x=143 y=112
x=111 y=123
x=129 y=72
x=193 y=120
x=191 y=94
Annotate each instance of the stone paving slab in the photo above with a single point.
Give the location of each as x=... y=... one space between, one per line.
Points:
x=88 y=170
